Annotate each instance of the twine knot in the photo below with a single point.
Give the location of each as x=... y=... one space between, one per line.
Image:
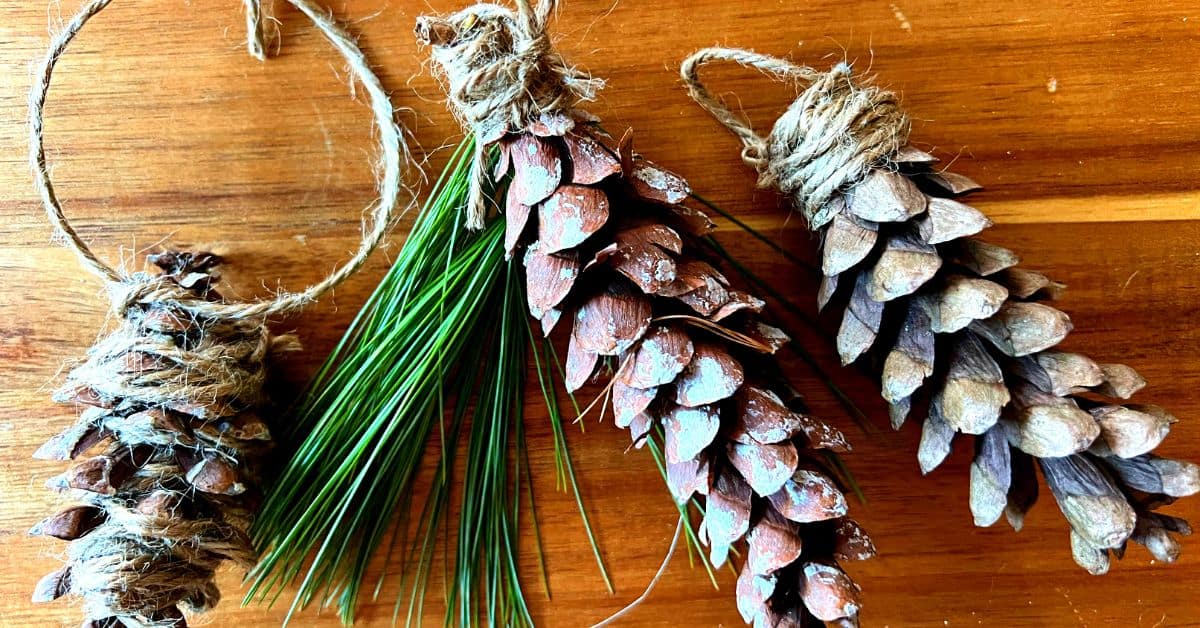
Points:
x=501 y=69
x=501 y=73
x=188 y=351
x=834 y=132
x=141 y=289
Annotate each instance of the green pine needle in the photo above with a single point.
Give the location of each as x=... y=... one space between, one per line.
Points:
x=775 y=246
x=438 y=350
x=561 y=453
x=856 y=414
x=426 y=357
x=693 y=540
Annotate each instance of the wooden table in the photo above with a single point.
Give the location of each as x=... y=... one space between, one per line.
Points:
x=1081 y=118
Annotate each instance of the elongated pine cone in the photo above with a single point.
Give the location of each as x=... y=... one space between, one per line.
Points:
x=608 y=246
x=169 y=446
x=951 y=323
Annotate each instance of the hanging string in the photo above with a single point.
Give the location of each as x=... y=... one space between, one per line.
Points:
x=662 y=569
x=393 y=150
x=175 y=389
x=827 y=140
x=255 y=32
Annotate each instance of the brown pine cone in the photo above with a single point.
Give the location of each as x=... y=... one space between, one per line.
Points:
x=608 y=246
x=172 y=398
x=610 y=249
x=951 y=323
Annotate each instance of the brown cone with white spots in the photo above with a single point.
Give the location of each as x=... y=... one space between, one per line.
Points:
x=950 y=323
x=614 y=257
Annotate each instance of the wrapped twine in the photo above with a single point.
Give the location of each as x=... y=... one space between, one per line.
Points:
x=501 y=74
x=173 y=390
x=828 y=139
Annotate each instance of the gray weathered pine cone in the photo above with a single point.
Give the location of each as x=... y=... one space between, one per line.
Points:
x=168 y=446
x=952 y=324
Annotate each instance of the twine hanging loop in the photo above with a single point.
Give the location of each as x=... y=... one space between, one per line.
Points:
x=831 y=135
x=392 y=148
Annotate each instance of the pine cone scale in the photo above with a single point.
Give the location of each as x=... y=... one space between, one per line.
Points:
x=172 y=396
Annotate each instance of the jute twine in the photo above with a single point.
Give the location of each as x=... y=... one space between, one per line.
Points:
x=392 y=148
x=181 y=350
x=136 y=565
x=826 y=141
x=163 y=532
x=501 y=73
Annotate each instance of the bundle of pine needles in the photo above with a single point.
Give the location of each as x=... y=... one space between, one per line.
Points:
x=438 y=348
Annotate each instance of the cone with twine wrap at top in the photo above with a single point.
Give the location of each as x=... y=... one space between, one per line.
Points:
x=608 y=245
x=173 y=396
x=953 y=324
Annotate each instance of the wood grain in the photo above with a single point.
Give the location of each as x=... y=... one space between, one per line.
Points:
x=1080 y=118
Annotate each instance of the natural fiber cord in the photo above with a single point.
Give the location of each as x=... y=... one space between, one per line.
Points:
x=393 y=153
x=612 y=251
x=828 y=138
x=957 y=332
x=503 y=80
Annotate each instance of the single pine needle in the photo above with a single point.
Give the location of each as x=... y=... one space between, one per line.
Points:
x=775 y=246
x=856 y=414
x=719 y=330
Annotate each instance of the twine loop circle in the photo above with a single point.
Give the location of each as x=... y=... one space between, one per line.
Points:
x=393 y=150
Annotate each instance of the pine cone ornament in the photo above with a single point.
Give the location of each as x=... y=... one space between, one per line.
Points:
x=168 y=448
x=170 y=444
x=610 y=252
x=950 y=323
